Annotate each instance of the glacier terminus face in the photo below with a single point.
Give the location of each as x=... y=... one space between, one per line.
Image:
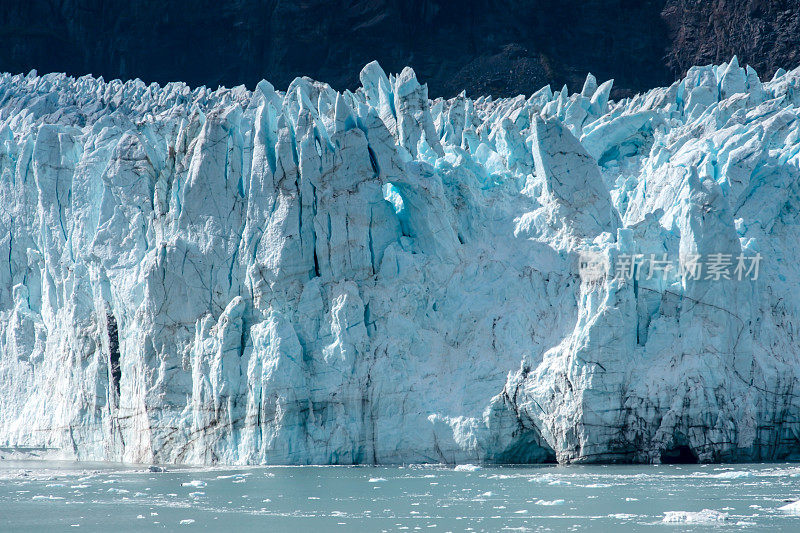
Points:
x=374 y=277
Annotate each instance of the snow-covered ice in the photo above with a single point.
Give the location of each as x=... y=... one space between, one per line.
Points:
x=313 y=276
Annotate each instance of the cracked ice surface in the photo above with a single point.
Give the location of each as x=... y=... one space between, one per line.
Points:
x=375 y=277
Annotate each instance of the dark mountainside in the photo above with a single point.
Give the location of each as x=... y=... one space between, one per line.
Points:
x=500 y=47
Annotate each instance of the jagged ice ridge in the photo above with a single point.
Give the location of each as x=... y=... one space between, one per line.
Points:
x=229 y=276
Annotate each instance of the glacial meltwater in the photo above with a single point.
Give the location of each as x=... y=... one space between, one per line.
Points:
x=54 y=496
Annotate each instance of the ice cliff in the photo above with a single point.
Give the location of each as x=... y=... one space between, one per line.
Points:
x=308 y=276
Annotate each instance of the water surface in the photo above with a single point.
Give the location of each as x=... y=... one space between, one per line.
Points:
x=45 y=496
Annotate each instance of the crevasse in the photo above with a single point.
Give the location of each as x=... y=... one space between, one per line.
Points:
x=227 y=276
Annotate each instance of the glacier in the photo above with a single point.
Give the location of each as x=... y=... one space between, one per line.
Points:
x=376 y=277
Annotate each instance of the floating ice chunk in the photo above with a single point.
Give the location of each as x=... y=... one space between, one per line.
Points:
x=467 y=468
x=377 y=479
x=194 y=483
x=791 y=508
x=549 y=502
x=186 y=521
x=736 y=474
x=706 y=516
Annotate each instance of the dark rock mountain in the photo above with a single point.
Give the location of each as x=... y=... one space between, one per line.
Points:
x=764 y=33
x=502 y=47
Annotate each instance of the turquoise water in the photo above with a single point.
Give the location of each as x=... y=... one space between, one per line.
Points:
x=36 y=496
